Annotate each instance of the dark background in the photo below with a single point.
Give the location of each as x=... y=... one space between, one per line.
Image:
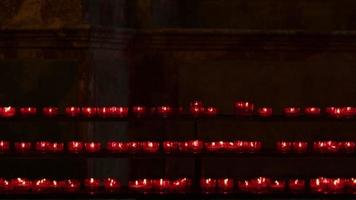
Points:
x=152 y=52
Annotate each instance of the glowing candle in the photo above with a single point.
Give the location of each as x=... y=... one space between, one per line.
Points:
x=28 y=111
x=7 y=112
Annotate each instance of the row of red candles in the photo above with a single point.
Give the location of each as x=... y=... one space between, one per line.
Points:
x=207 y=185
x=196 y=109
x=192 y=146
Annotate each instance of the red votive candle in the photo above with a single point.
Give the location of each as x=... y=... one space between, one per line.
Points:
x=72 y=111
x=337 y=185
x=116 y=147
x=170 y=146
x=195 y=146
x=23 y=147
x=21 y=184
x=244 y=108
x=7 y=112
x=28 y=111
x=91 y=184
x=208 y=185
x=347 y=111
x=335 y=112
x=252 y=146
x=150 y=147
x=215 y=146
x=319 y=185
x=4 y=146
x=138 y=111
x=42 y=146
x=326 y=146
x=351 y=185
x=225 y=185
x=164 y=111
x=134 y=147
x=56 y=147
x=181 y=185
x=197 y=111
x=239 y=146
x=50 y=111
x=103 y=112
x=211 y=111
x=161 y=185
x=141 y=185
x=41 y=185
x=291 y=111
x=347 y=146
x=265 y=112
x=75 y=146
x=312 y=111
x=300 y=147
x=111 y=184
x=120 y=111
x=56 y=185
x=92 y=147
x=89 y=111
x=4 y=185
x=71 y=185
x=284 y=147
x=296 y=185
x=260 y=184
x=245 y=186
x=278 y=185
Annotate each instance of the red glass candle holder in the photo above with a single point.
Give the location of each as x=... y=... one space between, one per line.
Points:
x=319 y=185
x=56 y=147
x=260 y=184
x=161 y=185
x=284 y=147
x=56 y=186
x=278 y=185
x=245 y=185
x=225 y=185
x=208 y=185
x=89 y=111
x=4 y=146
x=291 y=111
x=335 y=112
x=239 y=146
x=28 y=111
x=170 y=146
x=348 y=111
x=197 y=111
x=141 y=185
x=21 y=184
x=42 y=146
x=326 y=146
x=134 y=147
x=72 y=111
x=4 y=185
x=103 y=112
x=138 y=111
x=215 y=146
x=71 y=185
x=181 y=185
x=252 y=146
x=347 y=146
x=120 y=111
x=91 y=184
x=22 y=147
x=337 y=185
x=300 y=147
x=75 y=146
x=7 y=112
x=92 y=147
x=296 y=185
x=195 y=146
x=111 y=184
x=351 y=185
x=50 y=111
x=41 y=185
x=211 y=111
x=164 y=111
x=244 y=108
x=312 y=111
x=116 y=147
x=150 y=147
x=265 y=112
